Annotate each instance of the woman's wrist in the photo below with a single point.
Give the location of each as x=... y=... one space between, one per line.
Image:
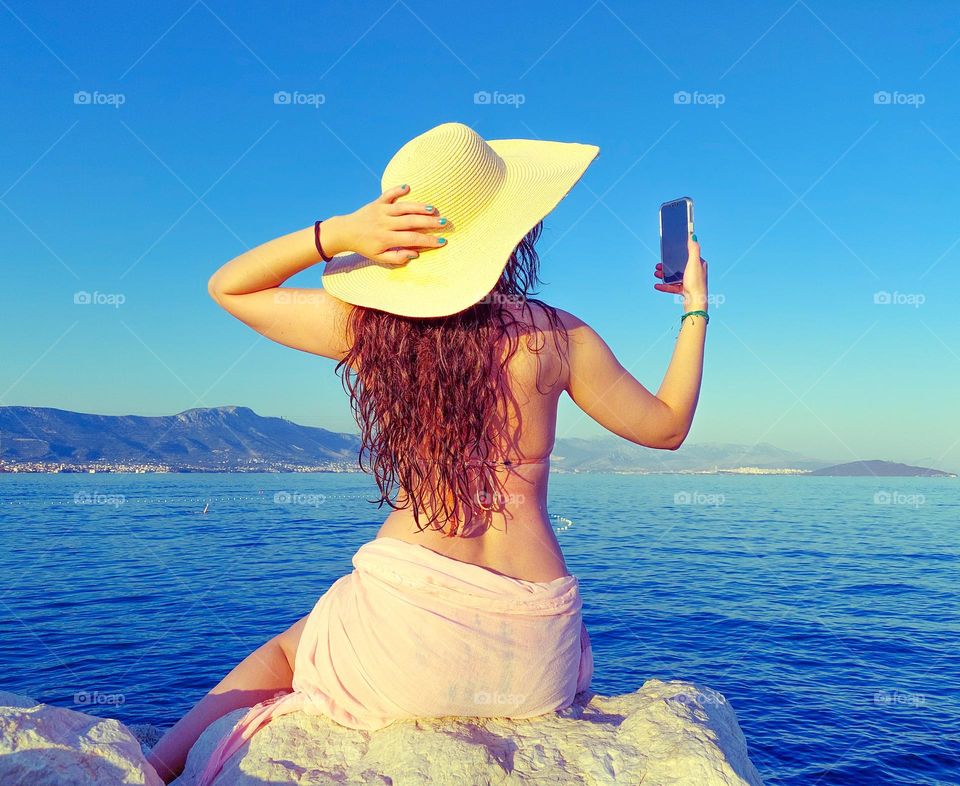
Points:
x=694 y=302
x=334 y=235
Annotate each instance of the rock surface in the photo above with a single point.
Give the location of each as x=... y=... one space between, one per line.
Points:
x=41 y=745
x=665 y=734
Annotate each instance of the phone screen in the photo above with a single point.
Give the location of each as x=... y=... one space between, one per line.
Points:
x=676 y=220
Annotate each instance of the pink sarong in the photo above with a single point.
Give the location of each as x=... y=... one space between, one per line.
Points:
x=411 y=633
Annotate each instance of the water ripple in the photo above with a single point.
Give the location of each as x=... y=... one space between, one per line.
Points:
x=812 y=609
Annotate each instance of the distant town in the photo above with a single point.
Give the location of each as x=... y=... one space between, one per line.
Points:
x=137 y=468
x=345 y=467
x=140 y=468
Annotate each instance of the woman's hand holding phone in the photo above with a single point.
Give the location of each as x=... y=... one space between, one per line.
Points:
x=694 y=285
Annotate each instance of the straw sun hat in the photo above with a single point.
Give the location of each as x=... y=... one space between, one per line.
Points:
x=491 y=192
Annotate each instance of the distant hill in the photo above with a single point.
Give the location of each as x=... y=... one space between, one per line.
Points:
x=612 y=454
x=881 y=469
x=221 y=438
x=229 y=439
x=237 y=439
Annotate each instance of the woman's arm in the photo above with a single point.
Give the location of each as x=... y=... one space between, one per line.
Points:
x=249 y=286
x=612 y=396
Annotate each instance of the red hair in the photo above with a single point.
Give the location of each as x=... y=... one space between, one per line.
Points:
x=429 y=398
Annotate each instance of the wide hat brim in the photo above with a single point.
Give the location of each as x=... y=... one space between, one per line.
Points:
x=447 y=280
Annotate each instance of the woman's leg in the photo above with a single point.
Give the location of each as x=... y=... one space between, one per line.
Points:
x=261 y=675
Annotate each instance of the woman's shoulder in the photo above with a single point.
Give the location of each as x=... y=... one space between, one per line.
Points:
x=580 y=338
x=540 y=313
x=549 y=317
x=545 y=349
x=539 y=317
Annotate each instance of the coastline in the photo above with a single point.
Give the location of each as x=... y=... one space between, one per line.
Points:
x=39 y=468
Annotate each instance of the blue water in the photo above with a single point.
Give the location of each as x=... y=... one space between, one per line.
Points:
x=829 y=621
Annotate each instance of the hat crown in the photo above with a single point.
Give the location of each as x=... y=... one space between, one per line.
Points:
x=450 y=166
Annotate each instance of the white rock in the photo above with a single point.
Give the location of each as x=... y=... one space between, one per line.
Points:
x=42 y=745
x=665 y=734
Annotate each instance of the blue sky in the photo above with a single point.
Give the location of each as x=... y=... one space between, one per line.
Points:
x=814 y=196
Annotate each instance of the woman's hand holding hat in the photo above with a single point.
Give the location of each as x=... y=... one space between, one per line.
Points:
x=385 y=230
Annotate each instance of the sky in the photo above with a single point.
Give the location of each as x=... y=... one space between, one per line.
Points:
x=147 y=144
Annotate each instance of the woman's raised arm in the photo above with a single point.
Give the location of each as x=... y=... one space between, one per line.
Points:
x=249 y=286
x=613 y=397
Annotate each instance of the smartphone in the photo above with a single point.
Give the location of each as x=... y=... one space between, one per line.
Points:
x=676 y=227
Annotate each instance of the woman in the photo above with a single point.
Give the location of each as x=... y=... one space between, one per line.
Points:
x=462 y=604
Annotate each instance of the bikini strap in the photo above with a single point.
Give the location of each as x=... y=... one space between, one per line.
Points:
x=513 y=462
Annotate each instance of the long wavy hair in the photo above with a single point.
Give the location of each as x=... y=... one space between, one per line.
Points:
x=430 y=399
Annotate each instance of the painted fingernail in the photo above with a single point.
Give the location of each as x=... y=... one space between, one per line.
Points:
x=442 y=241
x=443 y=221
x=430 y=208
x=404 y=187
x=694 y=238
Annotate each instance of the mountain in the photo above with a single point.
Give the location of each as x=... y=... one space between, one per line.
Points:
x=221 y=438
x=612 y=454
x=881 y=469
x=236 y=439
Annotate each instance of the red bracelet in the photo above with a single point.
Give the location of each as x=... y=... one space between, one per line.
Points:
x=316 y=239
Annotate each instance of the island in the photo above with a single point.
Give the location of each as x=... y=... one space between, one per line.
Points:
x=880 y=469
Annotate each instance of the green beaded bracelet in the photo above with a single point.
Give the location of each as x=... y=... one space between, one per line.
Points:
x=703 y=314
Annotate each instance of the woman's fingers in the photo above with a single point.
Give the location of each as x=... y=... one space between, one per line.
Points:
x=414 y=208
x=675 y=289
x=416 y=240
x=392 y=194
x=399 y=223
x=396 y=256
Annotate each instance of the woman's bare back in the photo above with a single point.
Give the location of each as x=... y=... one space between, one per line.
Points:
x=517 y=539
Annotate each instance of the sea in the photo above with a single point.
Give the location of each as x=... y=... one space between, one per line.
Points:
x=825 y=610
